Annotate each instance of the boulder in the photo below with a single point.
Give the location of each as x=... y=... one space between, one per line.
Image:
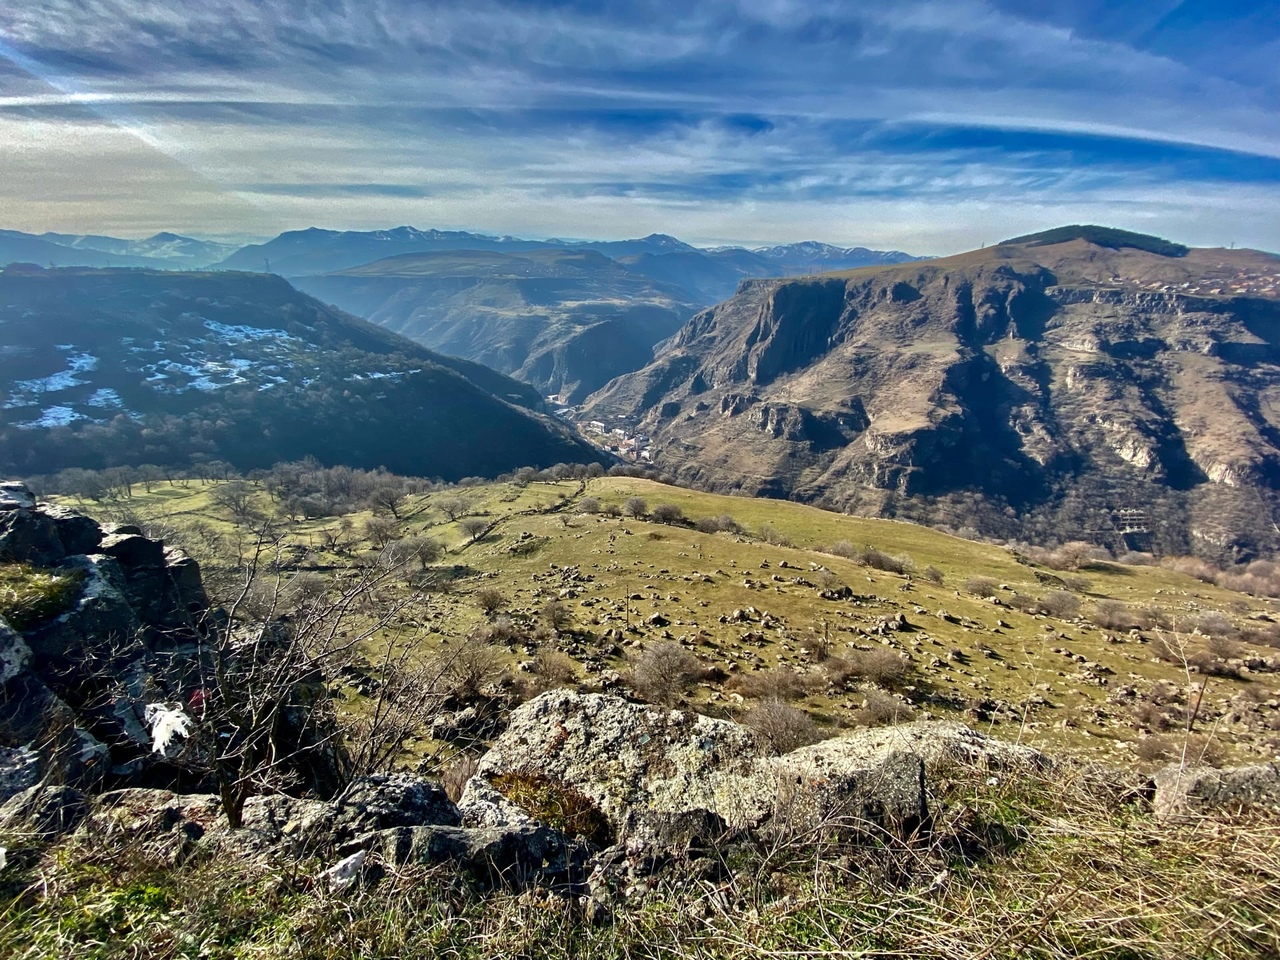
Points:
x=510 y=856
x=19 y=769
x=133 y=550
x=396 y=800
x=1202 y=790
x=636 y=762
x=46 y=811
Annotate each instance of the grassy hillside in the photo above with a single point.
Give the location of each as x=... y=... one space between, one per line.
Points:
x=1115 y=672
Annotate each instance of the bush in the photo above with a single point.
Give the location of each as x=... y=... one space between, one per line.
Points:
x=611 y=510
x=471 y=666
x=879 y=560
x=932 y=574
x=781 y=726
x=589 y=505
x=557 y=615
x=664 y=672
x=880 y=666
x=490 y=600
x=667 y=513
x=776 y=683
x=1115 y=615
x=1061 y=604
x=773 y=536
x=880 y=707
x=981 y=586
x=721 y=524
x=635 y=507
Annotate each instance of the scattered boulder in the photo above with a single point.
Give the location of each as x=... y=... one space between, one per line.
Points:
x=1203 y=790
x=45 y=811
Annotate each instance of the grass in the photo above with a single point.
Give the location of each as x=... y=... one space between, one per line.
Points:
x=1057 y=868
x=29 y=595
x=1024 y=679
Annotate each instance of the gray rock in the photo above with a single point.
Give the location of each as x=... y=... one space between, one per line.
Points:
x=481 y=805
x=19 y=769
x=396 y=800
x=28 y=536
x=47 y=811
x=133 y=550
x=1202 y=790
x=14 y=495
x=15 y=655
x=497 y=856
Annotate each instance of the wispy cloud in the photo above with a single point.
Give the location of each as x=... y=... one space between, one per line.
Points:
x=922 y=122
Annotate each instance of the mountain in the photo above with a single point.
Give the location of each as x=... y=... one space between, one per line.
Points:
x=107 y=367
x=171 y=248
x=18 y=247
x=811 y=256
x=566 y=320
x=1081 y=383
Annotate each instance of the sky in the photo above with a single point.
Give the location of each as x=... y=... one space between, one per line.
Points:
x=930 y=126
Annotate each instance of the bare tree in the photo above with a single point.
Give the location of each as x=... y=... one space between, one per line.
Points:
x=474 y=527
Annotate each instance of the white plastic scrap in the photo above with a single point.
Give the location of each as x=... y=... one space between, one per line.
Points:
x=166 y=722
x=345 y=872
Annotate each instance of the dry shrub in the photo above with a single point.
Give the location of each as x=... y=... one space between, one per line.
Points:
x=781 y=726
x=1212 y=623
x=460 y=768
x=557 y=615
x=932 y=574
x=881 y=666
x=772 y=535
x=557 y=667
x=667 y=513
x=1061 y=604
x=981 y=586
x=1156 y=717
x=664 y=672
x=635 y=507
x=556 y=804
x=1115 y=615
x=1076 y=583
x=1199 y=750
x=721 y=524
x=781 y=683
x=503 y=630
x=589 y=505
x=1135 y=558
x=880 y=707
x=843 y=548
x=471 y=666
x=490 y=600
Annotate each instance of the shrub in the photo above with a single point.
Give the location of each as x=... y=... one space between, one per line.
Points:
x=611 y=510
x=471 y=666
x=771 y=535
x=721 y=524
x=663 y=672
x=556 y=666
x=635 y=507
x=881 y=666
x=1061 y=604
x=667 y=513
x=556 y=804
x=460 y=769
x=1213 y=624
x=776 y=683
x=843 y=548
x=880 y=707
x=981 y=586
x=932 y=574
x=29 y=595
x=879 y=560
x=557 y=615
x=781 y=726
x=490 y=600
x=589 y=505
x=1115 y=615
x=1198 y=749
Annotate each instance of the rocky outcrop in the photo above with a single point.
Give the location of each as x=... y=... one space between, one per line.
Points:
x=75 y=681
x=637 y=761
x=1203 y=790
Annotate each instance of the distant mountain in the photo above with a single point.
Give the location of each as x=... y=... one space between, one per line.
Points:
x=18 y=247
x=1081 y=383
x=814 y=257
x=565 y=319
x=169 y=248
x=107 y=367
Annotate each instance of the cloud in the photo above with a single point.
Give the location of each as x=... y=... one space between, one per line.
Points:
x=735 y=119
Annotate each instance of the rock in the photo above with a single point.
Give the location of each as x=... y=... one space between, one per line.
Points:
x=28 y=536
x=344 y=873
x=14 y=495
x=133 y=550
x=15 y=655
x=50 y=811
x=497 y=856
x=481 y=805
x=395 y=800
x=634 y=760
x=1202 y=790
x=19 y=769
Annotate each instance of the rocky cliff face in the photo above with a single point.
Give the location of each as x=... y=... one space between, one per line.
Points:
x=100 y=626
x=1043 y=391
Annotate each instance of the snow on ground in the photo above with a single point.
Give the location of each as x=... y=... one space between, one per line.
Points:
x=233 y=332
x=53 y=417
x=105 y=397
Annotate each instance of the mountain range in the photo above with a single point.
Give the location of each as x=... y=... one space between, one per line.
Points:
x=109 y=367
x=1085 y=383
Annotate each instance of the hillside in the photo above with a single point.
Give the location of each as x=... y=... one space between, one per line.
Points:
x=565 y=320
x=110 y=367
x=1037 y=390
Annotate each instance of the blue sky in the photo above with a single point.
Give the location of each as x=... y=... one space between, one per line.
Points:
x=919 y=125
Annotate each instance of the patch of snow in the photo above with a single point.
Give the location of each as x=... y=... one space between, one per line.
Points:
x=105 y=397
x=230 y=331
x=53 y=417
